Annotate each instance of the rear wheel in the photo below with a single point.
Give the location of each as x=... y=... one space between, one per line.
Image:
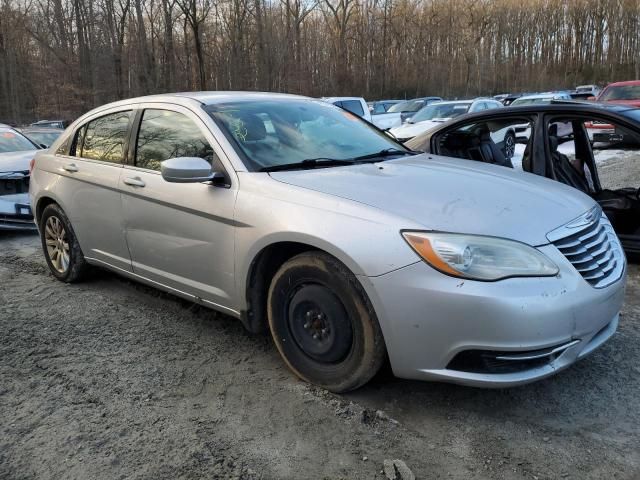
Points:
x=323 y=324
x=60 y=245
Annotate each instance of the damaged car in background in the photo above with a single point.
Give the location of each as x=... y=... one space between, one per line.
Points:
x=592 y=147
x=16 y=153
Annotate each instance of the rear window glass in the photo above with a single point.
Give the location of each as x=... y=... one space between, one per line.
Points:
x=104 y=138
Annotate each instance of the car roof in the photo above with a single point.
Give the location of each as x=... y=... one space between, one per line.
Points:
x=326 y=99
x=207 y=97
x=555 y=106
x=38 y=129
x=459 y=101
x=624 y=84
x=203 y=98
x=541 y=95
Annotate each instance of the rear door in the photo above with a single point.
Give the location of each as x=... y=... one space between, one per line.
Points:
x=89 y=172
x=179 y=235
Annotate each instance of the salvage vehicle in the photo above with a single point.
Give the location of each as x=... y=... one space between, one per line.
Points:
x=409 y=108
x=440 y=112
x=301 y=218
x=41 y=136
x=16 y=153
x=592 y=147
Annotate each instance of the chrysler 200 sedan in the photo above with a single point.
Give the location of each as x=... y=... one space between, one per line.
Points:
x=298 y=217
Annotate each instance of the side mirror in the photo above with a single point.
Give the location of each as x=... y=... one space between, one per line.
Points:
x=187 y=170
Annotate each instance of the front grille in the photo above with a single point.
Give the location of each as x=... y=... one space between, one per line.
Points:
x=595 y=252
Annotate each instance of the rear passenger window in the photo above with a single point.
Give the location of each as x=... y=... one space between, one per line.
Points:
x=353 y=106
x=104 y=138
x=165 y=134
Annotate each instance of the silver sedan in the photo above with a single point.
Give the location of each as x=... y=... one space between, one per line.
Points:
x=298 y=217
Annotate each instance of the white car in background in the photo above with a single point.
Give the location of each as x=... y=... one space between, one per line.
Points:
x=355 y=105
x=437 y=113
x=540 y=98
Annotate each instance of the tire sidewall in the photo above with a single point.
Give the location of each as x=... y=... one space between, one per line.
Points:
x=367 y=349
x=76 y=259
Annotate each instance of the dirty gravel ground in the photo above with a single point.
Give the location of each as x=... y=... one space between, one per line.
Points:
x=110 y=379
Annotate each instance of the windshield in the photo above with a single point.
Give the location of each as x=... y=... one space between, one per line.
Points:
x=440 y=110
x=627 y=92
x=14 y=142
x=409 y=106
x=269 y=133
x=43 y=138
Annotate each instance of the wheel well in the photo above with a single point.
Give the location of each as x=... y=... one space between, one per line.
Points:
x=42 y=204
x=262 y=270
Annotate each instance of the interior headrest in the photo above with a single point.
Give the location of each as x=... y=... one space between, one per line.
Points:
x=484 y=133
x=553 y=129
x=553 y=143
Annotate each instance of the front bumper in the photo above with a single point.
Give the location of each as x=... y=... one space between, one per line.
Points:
x=15 y=213
x=428 y=319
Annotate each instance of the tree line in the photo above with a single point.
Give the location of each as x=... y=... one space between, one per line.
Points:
x=59 y=58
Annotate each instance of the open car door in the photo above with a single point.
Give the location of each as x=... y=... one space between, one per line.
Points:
x=601 y=157
x=595 y=153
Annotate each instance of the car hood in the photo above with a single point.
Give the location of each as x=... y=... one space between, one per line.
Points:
x=16 y=161
x=410 y=130
x=628 y=103
x=452 y=195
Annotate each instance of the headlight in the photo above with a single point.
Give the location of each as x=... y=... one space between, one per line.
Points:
x=479 y=258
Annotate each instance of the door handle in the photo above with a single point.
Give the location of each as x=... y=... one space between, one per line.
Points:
x=134 y=182
x=70 y=167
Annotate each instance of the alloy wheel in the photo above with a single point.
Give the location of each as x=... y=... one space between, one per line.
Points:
x=509 y=146
x=57 y=244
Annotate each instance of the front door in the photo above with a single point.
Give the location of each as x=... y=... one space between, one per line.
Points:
x=179 y=235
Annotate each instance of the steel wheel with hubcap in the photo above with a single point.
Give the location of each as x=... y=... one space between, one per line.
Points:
x=323 y=323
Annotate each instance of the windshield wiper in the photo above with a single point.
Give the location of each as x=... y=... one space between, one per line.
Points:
x=387 y=152
x=308 y=164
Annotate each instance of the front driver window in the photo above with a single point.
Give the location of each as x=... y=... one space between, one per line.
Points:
x=165 y=134
x=580 y=144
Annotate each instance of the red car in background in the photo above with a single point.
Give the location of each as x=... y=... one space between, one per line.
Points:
x=623 y=93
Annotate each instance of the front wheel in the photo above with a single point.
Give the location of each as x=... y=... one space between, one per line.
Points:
x=323 y=323
x=61 y=248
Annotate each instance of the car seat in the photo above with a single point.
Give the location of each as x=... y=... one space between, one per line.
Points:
x=490 y=151
x=562 y=168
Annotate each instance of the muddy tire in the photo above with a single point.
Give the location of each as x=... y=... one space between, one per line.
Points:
x=323 y=323
x=60 y=245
